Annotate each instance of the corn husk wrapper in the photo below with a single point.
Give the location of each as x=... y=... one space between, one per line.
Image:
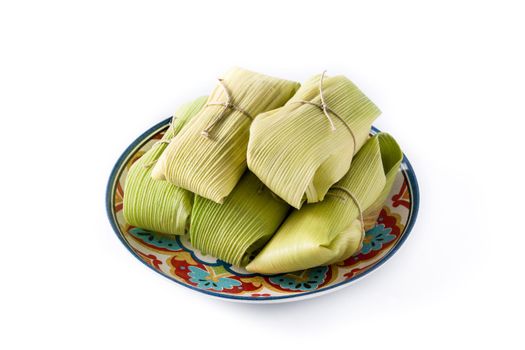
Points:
x=295 y=151
x=235 y=230
x=211 y=166
x=158 y=205
x=330 y=231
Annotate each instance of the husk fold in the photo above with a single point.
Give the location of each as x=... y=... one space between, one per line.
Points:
x=158 y=205
x=235 y=230
x=295 y=151
x=211 y=166
x=330 y=231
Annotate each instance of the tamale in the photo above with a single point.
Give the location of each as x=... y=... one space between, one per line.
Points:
x=209 y=156
x=158 y=205
x=301 y=149
x=235 y=230
x=332 y=230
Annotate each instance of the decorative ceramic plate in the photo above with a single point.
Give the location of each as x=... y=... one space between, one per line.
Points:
x=175 y=258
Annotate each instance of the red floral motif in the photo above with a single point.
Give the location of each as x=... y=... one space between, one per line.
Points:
x=355 y=272
x=328 y=278
x=149 y=259
x=402 y=198
x=181 y=269
x=246 y=286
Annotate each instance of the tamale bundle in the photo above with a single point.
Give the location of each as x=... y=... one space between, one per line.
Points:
x=235 y=230
x=301 y=149
x=332 y=230
x=158 y=205
x=209 y=156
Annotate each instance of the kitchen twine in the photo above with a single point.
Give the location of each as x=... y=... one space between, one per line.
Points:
x=206 y=132
x=226 y=105
x=159 y=142
x=351 y=195
x=327 y=111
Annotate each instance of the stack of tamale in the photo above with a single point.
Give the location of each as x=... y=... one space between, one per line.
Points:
x=332 y=230
x=209 y=156
x=231 y=167
x=159 y=205
x=304 y=147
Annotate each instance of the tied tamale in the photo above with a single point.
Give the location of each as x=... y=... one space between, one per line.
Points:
x=332 y=230
x=158 y=205
x=209 y=156
x=301 y=149
x=235 y=230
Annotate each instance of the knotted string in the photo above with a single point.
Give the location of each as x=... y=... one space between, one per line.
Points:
x=159 y=142
x=327 y=111
x=359 y=208
x=227 y=105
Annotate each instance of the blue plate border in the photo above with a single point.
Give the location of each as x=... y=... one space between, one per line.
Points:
x=117 y=168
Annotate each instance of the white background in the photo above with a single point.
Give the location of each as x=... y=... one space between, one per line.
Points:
x=80 y=80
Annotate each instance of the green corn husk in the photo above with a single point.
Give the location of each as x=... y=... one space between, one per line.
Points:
x=330 y=231
x=212 y=165
x=158 y=205
x=295 y=151
x=236 y=230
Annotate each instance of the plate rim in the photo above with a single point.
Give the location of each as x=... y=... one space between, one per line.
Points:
x=413 y=188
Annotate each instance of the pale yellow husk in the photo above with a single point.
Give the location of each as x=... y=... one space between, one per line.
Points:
x=330 y=231
x=236 y=230
x=295 y=151
x=158 y=205
x=212 y=166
